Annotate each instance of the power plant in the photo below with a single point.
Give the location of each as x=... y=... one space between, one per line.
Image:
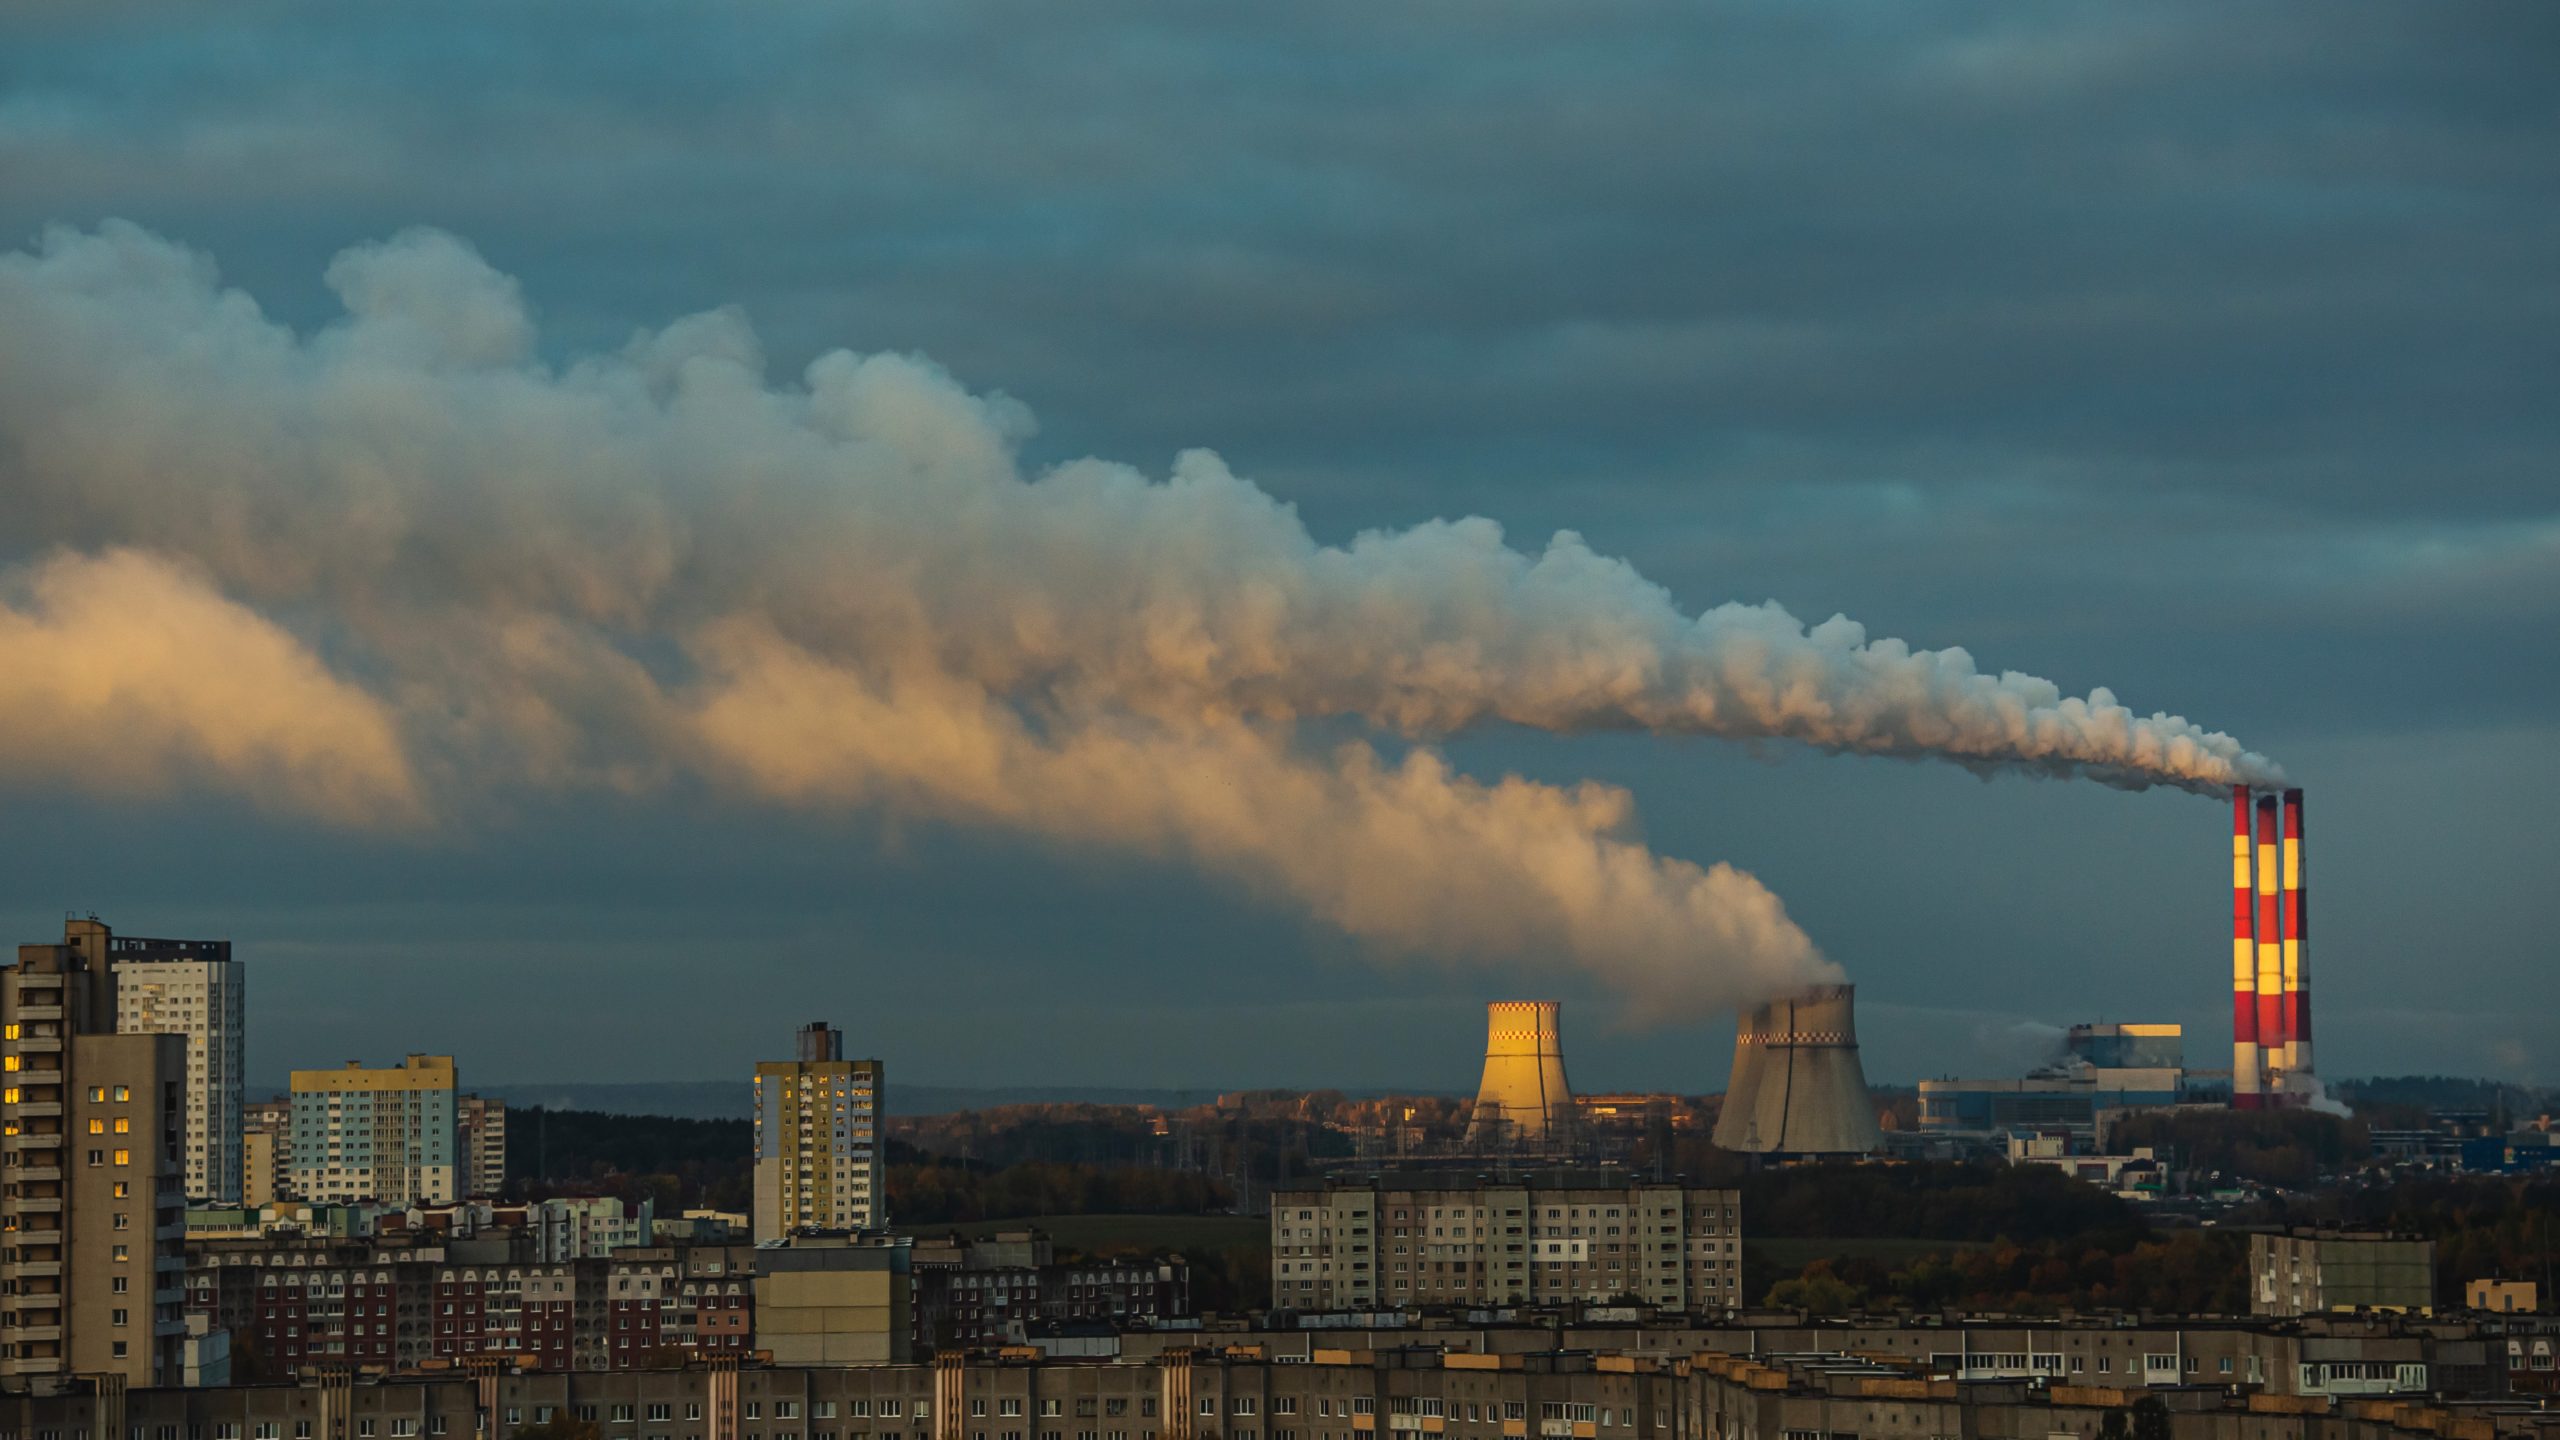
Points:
x=2270 y=954
x=1524 y=1097
x=1797 y=1088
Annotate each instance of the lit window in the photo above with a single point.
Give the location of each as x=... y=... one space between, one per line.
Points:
x=124 y=1157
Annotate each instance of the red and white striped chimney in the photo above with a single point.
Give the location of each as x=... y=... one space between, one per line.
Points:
x=2271 y=1016
x=2245 y=1078
x=2297 y=941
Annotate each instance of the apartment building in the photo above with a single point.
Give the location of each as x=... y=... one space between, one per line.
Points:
x=680 y=1300
x=482 y=1123
x=819 y=1161
x=1328 y=1394
x=1424 y=1239
x=195 y=989
x=2305 y=1272
x=387 y=1134
x=92 y=1174
x=266 y=1152
x=991 y=1291
x=296 y=1304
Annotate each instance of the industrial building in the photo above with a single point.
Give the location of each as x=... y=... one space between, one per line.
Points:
x=1427 y=1238
x=1797 y=1088
x=2102 y=1068
x=819 y=1159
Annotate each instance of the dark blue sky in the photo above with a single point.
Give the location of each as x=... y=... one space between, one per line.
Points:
x=2204 y=355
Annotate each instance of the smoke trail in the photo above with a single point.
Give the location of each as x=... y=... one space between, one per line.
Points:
x=845 y=591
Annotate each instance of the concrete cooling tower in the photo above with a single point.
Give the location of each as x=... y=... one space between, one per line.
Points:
x=1797 y=1088
x=1524 y=1096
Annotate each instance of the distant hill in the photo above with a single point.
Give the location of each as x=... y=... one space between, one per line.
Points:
x=729 y=1099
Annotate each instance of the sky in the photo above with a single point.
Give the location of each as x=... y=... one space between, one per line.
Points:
x=2200 y=355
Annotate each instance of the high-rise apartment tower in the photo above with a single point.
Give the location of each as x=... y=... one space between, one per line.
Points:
x=818 y=1152
x=386 y=1134
x=93 y=1214
x=192 y=988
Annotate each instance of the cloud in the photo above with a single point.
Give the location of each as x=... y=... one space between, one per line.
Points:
x=122 y=673
x=656 y=562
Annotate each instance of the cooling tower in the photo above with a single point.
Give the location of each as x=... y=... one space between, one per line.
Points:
x=1797 y=1088
x=1524 y=1096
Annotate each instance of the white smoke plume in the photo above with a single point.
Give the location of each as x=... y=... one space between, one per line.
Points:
x=432 y=566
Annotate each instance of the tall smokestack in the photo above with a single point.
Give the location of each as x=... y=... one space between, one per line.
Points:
x=2271 y=1016
x=1524 y=1095
x=2297 y=941
x=2245 y=1077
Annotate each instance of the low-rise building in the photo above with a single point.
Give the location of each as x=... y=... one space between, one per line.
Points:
x=2306 y=1272
x=1236 y=1393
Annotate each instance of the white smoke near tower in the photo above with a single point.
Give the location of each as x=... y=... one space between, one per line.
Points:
x=435 y=568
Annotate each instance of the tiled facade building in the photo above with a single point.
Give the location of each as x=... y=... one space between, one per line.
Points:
x=1430 y=1239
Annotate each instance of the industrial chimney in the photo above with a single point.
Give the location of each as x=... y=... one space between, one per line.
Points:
x=1797 y=1088
x=1524 y=1096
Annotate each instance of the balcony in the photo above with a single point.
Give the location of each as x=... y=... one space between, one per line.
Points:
x=35 y=1204
x=30 y=1014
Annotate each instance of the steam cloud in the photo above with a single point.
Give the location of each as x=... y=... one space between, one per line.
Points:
x=373 y=572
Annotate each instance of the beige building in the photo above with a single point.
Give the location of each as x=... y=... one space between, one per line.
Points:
x=92 y=1213
x=387 y=1134
x=266 y=1152
x=2307 y=1272
x=819 y=1163
x=834 y=1300
x=1431 y=1239
x=2506 y=1297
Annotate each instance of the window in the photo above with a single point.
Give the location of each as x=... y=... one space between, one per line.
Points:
x=118 y=1317
x=124 y=1157
x=123 y=1189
